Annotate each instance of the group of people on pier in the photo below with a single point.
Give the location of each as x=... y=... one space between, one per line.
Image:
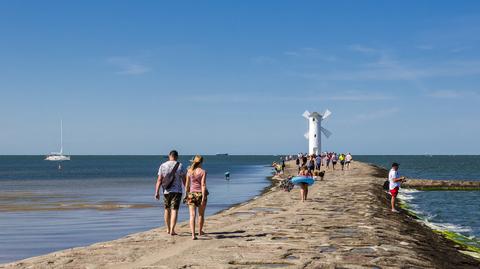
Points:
x=326 y=159
x=172 y=176
x=310 y=166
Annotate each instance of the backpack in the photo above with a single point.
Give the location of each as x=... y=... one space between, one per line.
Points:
x=170 y=177
x=386 y=185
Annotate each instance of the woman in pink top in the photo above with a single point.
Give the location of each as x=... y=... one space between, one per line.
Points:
x=196 y=193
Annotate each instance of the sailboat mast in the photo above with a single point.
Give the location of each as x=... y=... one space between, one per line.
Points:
x=61 y=137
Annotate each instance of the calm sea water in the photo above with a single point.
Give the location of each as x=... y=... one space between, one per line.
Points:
x=98 y=198
x=457 y=211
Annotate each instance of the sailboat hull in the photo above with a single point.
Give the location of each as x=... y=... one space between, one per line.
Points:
x=57 y=158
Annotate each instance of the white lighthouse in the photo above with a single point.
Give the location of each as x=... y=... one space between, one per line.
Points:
x=315 y=129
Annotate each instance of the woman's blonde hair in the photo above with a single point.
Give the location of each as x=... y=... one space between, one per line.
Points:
x=195 y=163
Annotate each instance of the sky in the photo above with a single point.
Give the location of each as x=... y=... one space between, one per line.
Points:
x=143 y=77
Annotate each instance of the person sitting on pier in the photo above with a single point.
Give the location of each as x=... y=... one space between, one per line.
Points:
x=395 y=181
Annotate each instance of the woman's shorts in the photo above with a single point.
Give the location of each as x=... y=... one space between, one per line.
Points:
x=195 y=198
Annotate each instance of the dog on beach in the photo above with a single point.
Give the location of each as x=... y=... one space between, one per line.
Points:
x=320 y=174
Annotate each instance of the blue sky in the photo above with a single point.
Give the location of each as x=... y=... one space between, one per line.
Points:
x=142 y=77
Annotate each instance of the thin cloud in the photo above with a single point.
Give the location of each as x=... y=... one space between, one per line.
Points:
x=448 y=94
x=346 y=96
x=395 y=71
x=127 y=67
x=424 y=47
x=363 y=49
x=460 y=49
x=223 y=98
x=310 y=53
x=357 y=96
x=263 y=60
x=452 y=94
x=378 y=114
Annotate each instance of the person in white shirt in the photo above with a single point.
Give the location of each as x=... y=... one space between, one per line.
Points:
x=172 y=193
x=394 y=184
x=348 y=160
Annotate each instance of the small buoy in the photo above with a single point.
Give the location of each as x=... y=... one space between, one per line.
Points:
x=227 y=175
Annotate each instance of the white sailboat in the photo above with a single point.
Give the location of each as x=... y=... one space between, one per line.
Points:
x=58 y=156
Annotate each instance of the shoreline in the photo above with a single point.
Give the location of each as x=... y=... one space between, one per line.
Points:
x=274 y=229
x=466 y=244
x=463 y=243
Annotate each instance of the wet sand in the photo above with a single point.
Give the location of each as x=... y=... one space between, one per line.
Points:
x=28 y=201
x=345 y=223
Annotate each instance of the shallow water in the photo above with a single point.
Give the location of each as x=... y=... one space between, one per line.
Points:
x=99 y=198
x=457 y=211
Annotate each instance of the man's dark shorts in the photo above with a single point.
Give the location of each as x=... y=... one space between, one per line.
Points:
x=172 y=200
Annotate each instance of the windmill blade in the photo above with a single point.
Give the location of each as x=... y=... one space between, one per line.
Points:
x=326 y=132
x=326 y=114
x=306 y=135
x=306 y=114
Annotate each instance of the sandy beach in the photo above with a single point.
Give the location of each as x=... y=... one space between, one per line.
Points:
x=346 y=223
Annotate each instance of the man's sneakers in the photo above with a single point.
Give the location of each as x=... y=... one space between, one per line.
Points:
x=395 y=211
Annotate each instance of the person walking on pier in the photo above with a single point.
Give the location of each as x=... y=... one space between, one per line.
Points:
x=342 y=160
x=311 y=164
x=318 y=162
x=334 y=160
x=304 y=159
x=304 y=186
x=297 y=162
x=394 y=184
x=171 y=176
x=329 y=159
x=196 y=194
x=348 y=160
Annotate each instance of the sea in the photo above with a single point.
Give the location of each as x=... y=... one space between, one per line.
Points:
x=99 y=198
x=45 y=208
x=454 y=211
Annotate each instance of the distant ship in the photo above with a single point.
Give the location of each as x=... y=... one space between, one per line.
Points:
x=221 y=154
x=58 y=156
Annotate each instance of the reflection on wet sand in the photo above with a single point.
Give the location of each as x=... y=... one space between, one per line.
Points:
x=30 y=201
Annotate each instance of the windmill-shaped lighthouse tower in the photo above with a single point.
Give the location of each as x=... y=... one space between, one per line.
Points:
x=315 y=129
